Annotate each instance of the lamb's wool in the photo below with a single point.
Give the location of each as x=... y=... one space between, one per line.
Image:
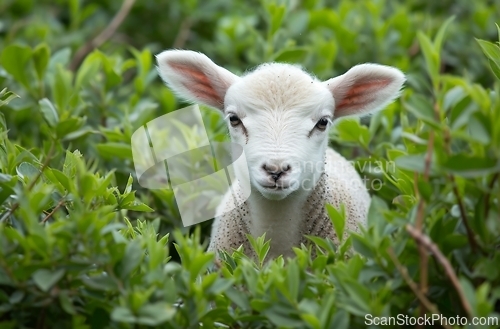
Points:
x=339 y=184
x=278 y=110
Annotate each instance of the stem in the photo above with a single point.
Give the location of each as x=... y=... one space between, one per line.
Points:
x=425 y=241
x=463 y=215
x=423 y=257
x=59 y=205
x=103 y=36
x=413 y=286
x=488 y=194
x=184 y=32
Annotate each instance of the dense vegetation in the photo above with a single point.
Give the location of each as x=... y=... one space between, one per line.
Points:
x=83 y=246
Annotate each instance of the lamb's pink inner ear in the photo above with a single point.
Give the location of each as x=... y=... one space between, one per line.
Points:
x=360 y=95
x=198 y=84
x=365 y=88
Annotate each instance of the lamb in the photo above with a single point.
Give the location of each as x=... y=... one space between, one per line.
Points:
x=281 y=116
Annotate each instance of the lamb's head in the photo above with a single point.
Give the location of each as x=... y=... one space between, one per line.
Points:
x=280 y=114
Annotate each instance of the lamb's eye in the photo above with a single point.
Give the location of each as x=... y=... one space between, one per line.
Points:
x=322 y=124
x=234 y=120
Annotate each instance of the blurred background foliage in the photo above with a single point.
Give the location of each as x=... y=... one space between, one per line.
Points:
x=124 y=92
x=68 y=114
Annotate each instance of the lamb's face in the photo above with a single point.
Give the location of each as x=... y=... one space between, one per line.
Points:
x=279 y=113
x=281 y=117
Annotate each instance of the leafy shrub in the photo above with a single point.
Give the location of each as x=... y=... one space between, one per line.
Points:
x=80 y=248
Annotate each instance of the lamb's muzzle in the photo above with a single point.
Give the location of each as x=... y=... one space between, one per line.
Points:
x=281 y=116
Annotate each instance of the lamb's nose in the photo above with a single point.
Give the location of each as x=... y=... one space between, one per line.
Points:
x=276 y=171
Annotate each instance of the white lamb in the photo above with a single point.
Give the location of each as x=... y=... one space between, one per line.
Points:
x=281 y=116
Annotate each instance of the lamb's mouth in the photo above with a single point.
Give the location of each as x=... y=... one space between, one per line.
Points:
x=275 y=187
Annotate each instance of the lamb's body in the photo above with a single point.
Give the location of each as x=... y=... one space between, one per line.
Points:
x=281 y=116
x=286 y=222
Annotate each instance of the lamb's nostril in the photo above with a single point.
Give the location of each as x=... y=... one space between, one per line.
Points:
x=275 y=176
x=275 y=171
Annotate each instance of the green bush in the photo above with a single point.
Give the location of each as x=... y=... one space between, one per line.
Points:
x=83 y=246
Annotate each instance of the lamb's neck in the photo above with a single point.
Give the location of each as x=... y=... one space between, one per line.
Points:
x=280 y=220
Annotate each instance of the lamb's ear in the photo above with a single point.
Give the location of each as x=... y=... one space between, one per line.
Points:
x=194 y=77
x=365 y=88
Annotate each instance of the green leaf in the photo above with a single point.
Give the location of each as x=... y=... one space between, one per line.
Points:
x=49 y=112
x=58 y=177
x=279 y=318
x=66 y=302
x=495 y=68
x=62 y=87
x=122 y=314
x=338 y=219
x=131 y=259
x=118 y=150
x=45 y=279
x=360 y=245
x=350 y=130
x=260 y=246
x=155 y=314
x=41 y=56
x=137 y=206
x=491 y=50
x=26 y=169
x=238 y=297
x=423 y=109
x=276 y=15
x=431 y=56
x=469 y=292
x=293 y=278
x=292 y=55
x=340 y=320
x=88 y=70
x=69 y=125
x=14 y=59
x=6 y=97
x=128 y=187
x=71 y=163
x=16 y=297
x=414 y=162
x=471 y=166
x=438 y=40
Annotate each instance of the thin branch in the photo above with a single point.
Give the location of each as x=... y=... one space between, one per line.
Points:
x=488 y=194
x=423 y=257
x=184 y=32
x=428 y=155
x=414 y=287
x=7 y=270
x=434 y=249
x=59 y=205
x=463 y=214
x=103 y=36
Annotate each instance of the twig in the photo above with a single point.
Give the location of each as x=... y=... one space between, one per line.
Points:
x=423 y=257
x=103 y=36
x=414 y=287
x=7 y=270
x=433 y=248
x=183 y=35
x=59 y=205
x=463 y=215
x=488 y=193
x=428 y=156
x=33 y=182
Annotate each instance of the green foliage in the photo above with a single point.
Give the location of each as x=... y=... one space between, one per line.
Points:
x=82 y=245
